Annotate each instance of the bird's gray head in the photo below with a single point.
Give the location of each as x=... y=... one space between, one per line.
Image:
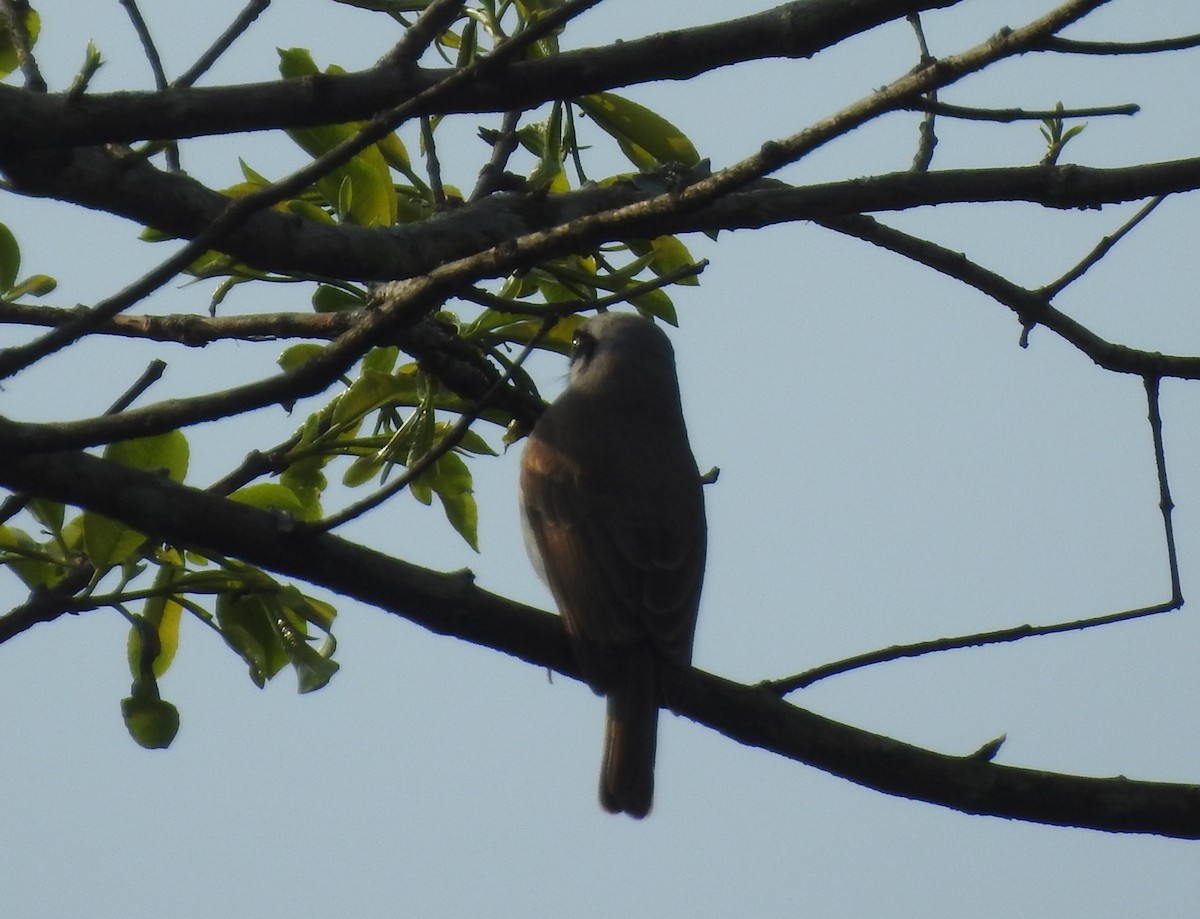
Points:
x=622 y=353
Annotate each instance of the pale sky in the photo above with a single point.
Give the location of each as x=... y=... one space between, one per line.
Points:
x=894 y=467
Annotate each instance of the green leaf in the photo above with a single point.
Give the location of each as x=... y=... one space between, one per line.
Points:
x=522 y=330
x=251 y=176
x=310 y=211
x=313 y=669
x=298 y=355
x=451 y=481
x=28 y=560
x=48 y=513
x=36 y=285
x=364 y=469
x=8 y=52
x=382 y=360
x=307 y=482
x=370 y=391
x=360 y=190
x=10 y=253
x=151 y=721
x=669 y=254
x=395 y=154
x=474 y=443
x=248 y=624
x=108 y=542
x=269 y=496
x=160 y=452
x=657 y=303
x=330 y=299
x=162 y=614
x=309 y=609
x=345 y=198
x=646 y=138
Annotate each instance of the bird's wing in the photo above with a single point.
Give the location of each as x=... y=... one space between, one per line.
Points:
x=623 y=554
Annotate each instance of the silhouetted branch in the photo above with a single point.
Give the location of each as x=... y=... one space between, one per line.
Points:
x=1072 y=46
x=451 y=604
x=236 y=29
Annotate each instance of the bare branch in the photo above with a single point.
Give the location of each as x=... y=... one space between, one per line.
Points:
x=504 y=142
x=147 y=40
x=252 y=10
x=1008 y=115
x=794 y=30
x=775 y=154
x=927 y=138
x=1052 y=290
x=1165 y=503
x=1070 y=46
x=450 y=604
x=1031 y=307
x=916 y=649
x=433 y=165
x=191 y=330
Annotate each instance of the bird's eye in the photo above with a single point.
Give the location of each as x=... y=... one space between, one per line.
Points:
x=583 y=345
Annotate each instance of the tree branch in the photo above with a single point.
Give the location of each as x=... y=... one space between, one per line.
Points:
x=450 y=604
x=243 y=21
x=1032 y=307
x=793 y=30
x=272 y=240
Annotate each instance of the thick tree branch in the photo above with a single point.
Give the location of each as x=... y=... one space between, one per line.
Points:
x=450 y=604
x=793 y=30
x=191 y=330
x=275 y=241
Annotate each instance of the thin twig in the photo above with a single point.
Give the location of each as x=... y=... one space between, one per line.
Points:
x=1052 y=290
x=503 y=142
x=151 y=375
x=256 y=463
x=916 y=649
x=15 y=12
x=236 y=29
x=1030 y=307
x=927 y=136
x=432 y=165
x=171 y=149
x=567 y=307
x=1165 y=503
x=774 y=155
x=1070 y=46
x=1006 y=115
x=147 y=40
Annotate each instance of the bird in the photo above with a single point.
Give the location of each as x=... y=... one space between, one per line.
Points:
x=614 y=520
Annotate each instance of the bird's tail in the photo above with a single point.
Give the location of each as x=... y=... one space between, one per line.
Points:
x=630 y=738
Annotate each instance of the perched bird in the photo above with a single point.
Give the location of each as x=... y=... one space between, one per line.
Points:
x=614 y=521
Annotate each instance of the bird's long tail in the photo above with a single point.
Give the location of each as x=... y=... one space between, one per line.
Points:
x=630 y=738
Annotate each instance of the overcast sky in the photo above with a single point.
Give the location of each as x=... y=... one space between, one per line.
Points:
x=894 y=467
